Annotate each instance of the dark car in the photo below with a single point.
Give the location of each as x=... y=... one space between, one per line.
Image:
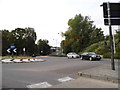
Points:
x=90 y=56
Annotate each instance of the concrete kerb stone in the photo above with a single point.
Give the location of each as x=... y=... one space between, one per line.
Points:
x=22 y=61
x=105 y=78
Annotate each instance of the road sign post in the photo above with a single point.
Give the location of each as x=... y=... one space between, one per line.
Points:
x=12 y=50
x=24 y=51
x=111 y=38
x=111 y=13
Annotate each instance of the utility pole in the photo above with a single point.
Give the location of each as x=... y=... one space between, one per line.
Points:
x=111 y=14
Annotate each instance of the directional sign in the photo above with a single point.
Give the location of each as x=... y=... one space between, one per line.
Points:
x=24 y=49
x=14 y=50
x=9 y=50
x=114 y=10
x=12 y=47
x=113 y=21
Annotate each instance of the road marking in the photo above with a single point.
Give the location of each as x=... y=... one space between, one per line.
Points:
x=65 y=79
x=40 y=85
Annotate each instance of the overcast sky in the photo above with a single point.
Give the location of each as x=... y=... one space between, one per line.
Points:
x=49 y=17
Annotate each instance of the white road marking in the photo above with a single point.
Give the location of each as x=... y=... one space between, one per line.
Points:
x=65 y=79
x=40 y=85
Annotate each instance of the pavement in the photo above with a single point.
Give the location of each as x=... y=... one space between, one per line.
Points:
x=97 y=77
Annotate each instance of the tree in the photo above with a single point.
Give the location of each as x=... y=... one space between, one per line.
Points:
x=43 y=47
x=5 y=41
x=80 y=34
x=21 y=38
x=30 y=38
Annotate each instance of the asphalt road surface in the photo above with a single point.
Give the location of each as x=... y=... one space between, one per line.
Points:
x=54 y=71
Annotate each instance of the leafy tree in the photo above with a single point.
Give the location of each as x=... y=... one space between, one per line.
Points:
x=80 y=34
x=5 y=41
x=30 y=38
x=21 y=38
x=43 y=47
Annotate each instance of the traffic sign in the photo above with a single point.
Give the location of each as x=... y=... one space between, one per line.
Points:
x=113 y=21
x=114 y=10
x=8 y=50
x=24 y=49
x=12 y=47
x=14 y=50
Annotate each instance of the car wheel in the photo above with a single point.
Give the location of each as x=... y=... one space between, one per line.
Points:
x=72 y=57
x=90 y=58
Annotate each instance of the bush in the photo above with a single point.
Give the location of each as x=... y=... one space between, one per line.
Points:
x=107 y=55
x=100 y=48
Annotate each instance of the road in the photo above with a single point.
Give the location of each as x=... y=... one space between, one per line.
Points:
x=54 y=71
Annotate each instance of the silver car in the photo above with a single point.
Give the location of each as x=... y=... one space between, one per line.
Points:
x=72 y=55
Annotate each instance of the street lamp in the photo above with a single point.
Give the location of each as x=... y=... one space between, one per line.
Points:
x=61 y=41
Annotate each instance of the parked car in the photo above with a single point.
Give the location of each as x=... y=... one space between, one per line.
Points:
x=90 y=56
x=72 y=55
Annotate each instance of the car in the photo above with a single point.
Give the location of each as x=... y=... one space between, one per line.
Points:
x=72 y=55
x=90 y=56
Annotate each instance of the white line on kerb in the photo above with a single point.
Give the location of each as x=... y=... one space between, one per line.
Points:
x=40 y=85
x=64 y=79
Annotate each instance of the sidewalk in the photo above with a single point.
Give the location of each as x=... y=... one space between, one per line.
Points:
x=99 y=77
x=103 y=72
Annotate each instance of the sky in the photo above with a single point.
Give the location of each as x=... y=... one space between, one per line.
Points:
x=49 y=17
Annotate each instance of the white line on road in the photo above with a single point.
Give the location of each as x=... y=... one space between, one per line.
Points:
x=65 y=79
x=40 y=85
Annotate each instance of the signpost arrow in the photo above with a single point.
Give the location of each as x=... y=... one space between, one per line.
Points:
x=8 y=50
x=14 y=50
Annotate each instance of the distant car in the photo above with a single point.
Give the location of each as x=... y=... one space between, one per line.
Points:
x=90 y=56
x=72 y=55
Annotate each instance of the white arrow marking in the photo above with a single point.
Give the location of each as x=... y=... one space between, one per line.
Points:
x=8 y=50
x=15 y=50
x=40 y=85
x=65 y=79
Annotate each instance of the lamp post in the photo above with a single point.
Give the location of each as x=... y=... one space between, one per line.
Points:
x=61 y=43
